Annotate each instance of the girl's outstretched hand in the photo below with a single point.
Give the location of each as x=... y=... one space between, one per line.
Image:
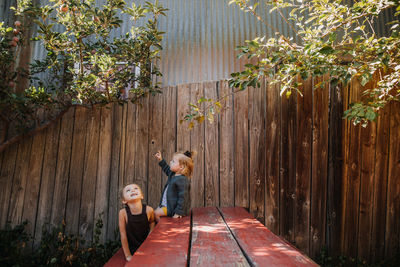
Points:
x=158 y=155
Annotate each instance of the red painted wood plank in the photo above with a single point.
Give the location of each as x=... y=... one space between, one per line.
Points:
x=262 y=247
x=167 y=244
x=117 y=260
x=212 y=243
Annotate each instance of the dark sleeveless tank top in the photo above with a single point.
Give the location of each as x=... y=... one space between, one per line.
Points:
x=137 y=228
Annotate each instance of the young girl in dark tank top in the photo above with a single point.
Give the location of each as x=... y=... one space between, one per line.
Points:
x=136 y=220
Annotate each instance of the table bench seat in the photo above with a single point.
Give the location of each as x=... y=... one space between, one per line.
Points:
x=213 y=237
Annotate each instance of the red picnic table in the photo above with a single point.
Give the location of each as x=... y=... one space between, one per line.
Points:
x=213 y=237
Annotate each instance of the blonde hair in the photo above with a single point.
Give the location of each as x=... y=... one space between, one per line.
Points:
x=185 y=160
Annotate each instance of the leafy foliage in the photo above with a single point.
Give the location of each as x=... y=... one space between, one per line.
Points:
x=84 y=64
x=326 y=260
x=332 y=38
x=55 y=249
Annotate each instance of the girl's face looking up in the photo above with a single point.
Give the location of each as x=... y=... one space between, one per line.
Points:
x=132 y=192
x=174 y=164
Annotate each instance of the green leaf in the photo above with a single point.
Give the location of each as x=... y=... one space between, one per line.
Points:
x=326 y=50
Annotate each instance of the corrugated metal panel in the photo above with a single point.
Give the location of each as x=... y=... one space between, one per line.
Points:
x=201 y=39
x=201 y=36
x=5 y=14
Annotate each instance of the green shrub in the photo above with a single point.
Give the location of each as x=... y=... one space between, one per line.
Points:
x=12 y=242
x=55 y=249
x=327 y=260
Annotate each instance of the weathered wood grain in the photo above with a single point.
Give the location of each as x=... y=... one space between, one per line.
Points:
x=62 y=169
x=352 y=186
x=319 y=167
x=114 y=202
x=169 y=127
x=6 y=180
x=257 y=160
x=197 y=144
x=103 y=169
x=169 y=242
x=124 y=118
x=212 y=244
x=142 y=145
x=86 y=210
x=272 y=148
x=368 y=147
x=156 y=117
x=19 y=184
x=380 y=185
x=131 y=143
x=31 y=198
x=392 y=233
x=337 y=101
x=226 y=154
x=48 y=181
x=262 y=247
x=182 y=131
x=211 y=156
x=304 y=164
x=241 y=148
x=76 y=171
x=288 y=167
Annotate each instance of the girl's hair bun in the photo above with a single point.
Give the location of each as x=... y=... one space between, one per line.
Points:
x=188 y=154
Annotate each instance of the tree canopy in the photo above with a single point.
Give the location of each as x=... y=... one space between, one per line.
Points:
x=84 y=64
x=333 y=38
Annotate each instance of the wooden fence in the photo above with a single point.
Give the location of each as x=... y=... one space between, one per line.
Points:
x=308 y=175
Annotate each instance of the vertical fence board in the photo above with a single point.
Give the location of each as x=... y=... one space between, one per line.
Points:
x=211 y=151
x=6 y=180
x=48 y=180
x=272 y=141
x=76 y=171
x=155 y=143
x=345 y=151
x=393 y=193
x=142 y=144
x=368 y=147
x=130 y=144
x=182 y=131
x=226 y=168
x=352 y=187
x=288 y=168
x=183 y=140
x=319 y=159
x=33 y=184
x=303 y=166
x=368 y=139
x=121 y=176
x=15 y=209
x=114 y=195
x=257 y=152
x=123 y=154
x=63 y=167
x=241 y=146
x=380 y=186
x=103 y=169
x=197 y=144
x=169 y=127
x=86 y=215
x=337 y=139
